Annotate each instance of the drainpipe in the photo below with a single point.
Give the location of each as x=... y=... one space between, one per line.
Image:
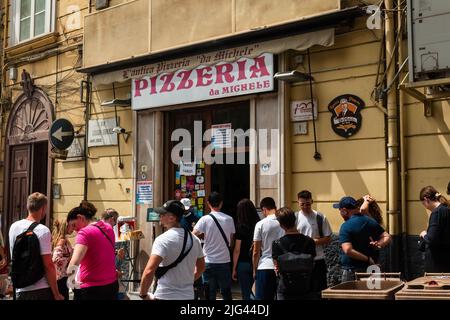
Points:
x=401 y=102
x=87 y=116
x=392 y=118
x=283 y=93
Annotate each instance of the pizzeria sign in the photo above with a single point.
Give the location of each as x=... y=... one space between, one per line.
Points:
x=226 y=79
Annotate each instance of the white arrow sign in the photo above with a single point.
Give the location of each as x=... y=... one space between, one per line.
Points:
x=59 y=134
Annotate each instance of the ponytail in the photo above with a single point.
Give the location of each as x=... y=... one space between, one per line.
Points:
x=432 y=194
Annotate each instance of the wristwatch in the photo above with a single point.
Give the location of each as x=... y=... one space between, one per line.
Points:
x=143 y=296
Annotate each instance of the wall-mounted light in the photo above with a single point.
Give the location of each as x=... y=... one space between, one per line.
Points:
x=292 y=76
x=297 y=76
x=116 y=103
x=13 y=74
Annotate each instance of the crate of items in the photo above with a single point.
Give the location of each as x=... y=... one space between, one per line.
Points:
x=432 y=286
x=367 y=286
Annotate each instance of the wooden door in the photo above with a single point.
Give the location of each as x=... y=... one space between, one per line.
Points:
x=197 y=186
x=19 y=182
x=38 y=168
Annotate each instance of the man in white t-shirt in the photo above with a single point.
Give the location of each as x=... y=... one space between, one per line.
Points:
x=177 y=283
x=218 y=242
x=316 y=226
x=266 y=232
x=46 y=288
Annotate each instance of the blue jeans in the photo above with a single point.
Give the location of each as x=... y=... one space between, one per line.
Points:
x=217 y=275
x=266 y=284
x=245 y=278
x=349 y=274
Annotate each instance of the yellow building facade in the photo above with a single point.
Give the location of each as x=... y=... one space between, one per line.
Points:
x=51 y=56
x=120 y=49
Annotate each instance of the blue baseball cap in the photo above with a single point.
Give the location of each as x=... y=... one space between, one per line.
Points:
x=346 y=202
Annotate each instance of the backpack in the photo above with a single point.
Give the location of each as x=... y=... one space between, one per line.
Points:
x=319 y=219
x=295 y=271
x=27 y=266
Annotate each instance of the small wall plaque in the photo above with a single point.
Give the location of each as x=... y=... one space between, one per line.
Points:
x=300 y=128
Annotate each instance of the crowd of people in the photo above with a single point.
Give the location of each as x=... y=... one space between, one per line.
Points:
x=279 y=256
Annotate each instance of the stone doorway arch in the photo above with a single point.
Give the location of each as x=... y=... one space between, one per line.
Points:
x=27 y=165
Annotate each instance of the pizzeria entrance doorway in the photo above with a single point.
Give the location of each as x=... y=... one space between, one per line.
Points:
x=224 y=160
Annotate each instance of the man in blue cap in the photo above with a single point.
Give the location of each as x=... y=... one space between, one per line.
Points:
x=359 y=237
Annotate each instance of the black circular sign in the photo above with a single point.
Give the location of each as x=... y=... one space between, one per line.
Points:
x=61 y=134
x=346 y=116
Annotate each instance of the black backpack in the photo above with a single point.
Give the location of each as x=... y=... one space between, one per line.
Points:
x=295 y=271
x=27 y=267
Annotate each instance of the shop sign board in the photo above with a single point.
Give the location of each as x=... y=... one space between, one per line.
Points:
x=225 y=79
x=302 y=110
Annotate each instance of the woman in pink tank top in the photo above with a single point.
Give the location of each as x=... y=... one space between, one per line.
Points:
x=94 y=254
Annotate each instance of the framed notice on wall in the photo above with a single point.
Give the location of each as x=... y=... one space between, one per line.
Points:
x=144 y=192
x=221 y=135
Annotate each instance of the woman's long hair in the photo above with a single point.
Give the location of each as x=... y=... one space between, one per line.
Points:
x=432 y=194
x=374 y=210
x=246 y=214
x=59 y=232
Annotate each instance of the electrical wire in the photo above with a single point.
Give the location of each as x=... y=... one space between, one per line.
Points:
x=317 y=155
x=379 y=83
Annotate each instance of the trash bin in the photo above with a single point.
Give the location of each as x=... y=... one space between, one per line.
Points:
x=432 y=286
x=365 y=287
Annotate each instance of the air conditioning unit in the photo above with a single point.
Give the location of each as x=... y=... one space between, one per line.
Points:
x=101 y=4
x=428 y=39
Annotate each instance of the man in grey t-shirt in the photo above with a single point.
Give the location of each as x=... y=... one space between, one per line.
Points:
x=266 y=232
x=315 y=225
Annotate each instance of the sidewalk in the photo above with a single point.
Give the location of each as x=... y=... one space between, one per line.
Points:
x=134 y=295
x=235 y=292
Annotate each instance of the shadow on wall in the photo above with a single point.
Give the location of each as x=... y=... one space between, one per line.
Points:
x=439 y=118
x=356 y=183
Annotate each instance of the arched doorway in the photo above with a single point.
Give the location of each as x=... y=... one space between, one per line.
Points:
x=27 y=165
